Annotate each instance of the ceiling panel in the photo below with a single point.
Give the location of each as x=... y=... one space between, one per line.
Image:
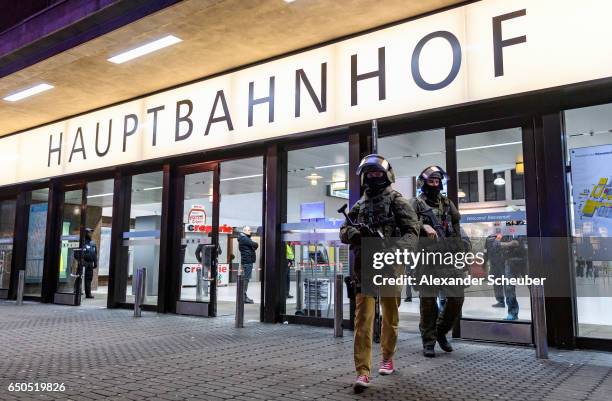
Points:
x=217 y=35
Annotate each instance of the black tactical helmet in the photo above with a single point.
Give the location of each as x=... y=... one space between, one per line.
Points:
x=375 y=162
x=432 y=172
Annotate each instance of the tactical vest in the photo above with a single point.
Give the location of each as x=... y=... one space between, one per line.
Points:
x=442 y=213
x=377 y=212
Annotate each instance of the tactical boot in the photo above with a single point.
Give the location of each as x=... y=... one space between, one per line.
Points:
x=428 y=351
x=444 y=344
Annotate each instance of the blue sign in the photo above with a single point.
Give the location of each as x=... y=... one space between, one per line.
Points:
x=492 y=217
x=312 y=211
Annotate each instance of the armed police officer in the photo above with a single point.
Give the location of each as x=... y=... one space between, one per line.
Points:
x=383 y=212
x=440 y=230
x=90 y=260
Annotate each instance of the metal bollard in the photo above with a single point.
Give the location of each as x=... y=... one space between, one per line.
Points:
x=308 y=295
x=139 y=295
x=239 y=300
x=299 y=291
x=205 y=281
x=20 y=286
x=539 y=321
x=199 y=284
x=338 y=305
x=143 y=287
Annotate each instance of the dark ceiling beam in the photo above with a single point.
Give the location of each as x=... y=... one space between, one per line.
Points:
x=65 y=25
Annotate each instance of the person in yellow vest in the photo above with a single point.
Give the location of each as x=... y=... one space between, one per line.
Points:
x=290 y=262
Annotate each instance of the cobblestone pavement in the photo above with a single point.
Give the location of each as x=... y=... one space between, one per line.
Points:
x=107 y=354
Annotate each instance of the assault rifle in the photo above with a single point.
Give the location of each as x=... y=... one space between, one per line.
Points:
x=435 y=223
x=363 y=228
x=445 y=241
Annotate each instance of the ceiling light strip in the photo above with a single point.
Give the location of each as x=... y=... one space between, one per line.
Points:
x=28 y=92
x=331 y=166
x=241 y=178
x=145 y=49
x=497 y=145
x=99 y=195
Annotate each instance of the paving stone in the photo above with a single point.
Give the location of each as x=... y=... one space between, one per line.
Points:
x=107 y=354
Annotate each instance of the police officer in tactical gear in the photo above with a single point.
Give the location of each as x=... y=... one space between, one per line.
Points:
x=439 y=224
x=381 y=210
x=90 y=260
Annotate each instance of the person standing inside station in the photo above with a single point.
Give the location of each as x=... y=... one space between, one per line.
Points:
x=496 y=267
x=385 y=210
x=439 y=225
x=90 y=261
x=290 y=256
x=247 y=248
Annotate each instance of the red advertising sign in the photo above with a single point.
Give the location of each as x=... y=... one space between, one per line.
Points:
x=196 y=215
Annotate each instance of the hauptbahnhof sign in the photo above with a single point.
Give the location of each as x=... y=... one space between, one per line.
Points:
x=483 y=50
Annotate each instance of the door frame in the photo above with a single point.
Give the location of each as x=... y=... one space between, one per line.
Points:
x=177 y=190
x=10 y=292
x=66 y=298
x=22 y=226
x=498 y=330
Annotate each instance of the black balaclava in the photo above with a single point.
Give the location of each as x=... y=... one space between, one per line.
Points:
x=431 y=193
x=374 y=186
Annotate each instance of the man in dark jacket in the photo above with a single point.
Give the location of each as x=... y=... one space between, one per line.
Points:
x=441 y=232
x=247 y=249
x=90 y=261
x=496 y=266
x=386 y=211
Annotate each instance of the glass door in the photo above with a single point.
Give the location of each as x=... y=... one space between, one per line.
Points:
x=141 y=244
x=38 y=206
x=99 y=215
x=72 y=231
x=488 y=174
x=197 y=239
x=84 y=233
x=241 y=235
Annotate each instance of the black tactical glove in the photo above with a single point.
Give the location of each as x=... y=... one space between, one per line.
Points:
x=366 y=231
x=354 y=235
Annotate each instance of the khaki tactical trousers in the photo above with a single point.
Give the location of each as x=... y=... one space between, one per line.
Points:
x=364 y=328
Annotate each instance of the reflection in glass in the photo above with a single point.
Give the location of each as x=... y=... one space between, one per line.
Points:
x=241 y=183
x=7 y=225
x=69 y=240
x=37 y=232
x=99 y=219
x=196 y=244
x=142 y=240
x=589 y=142
x=317 y=186
x=496 y=157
